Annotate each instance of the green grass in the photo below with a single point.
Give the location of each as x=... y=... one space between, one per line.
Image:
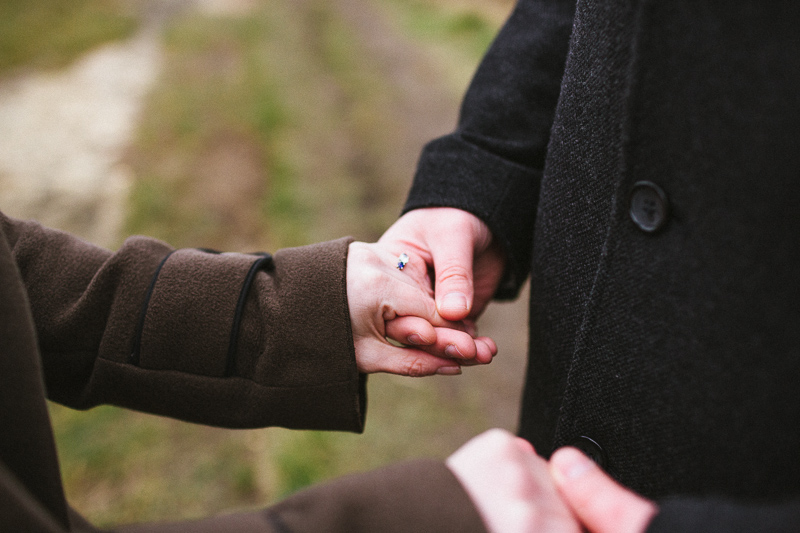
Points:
x=51 y=33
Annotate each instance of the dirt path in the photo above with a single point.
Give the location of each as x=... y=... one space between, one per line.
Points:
x=63 y=134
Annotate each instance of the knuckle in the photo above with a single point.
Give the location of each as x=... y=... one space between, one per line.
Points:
x=453 y=275
x=453 y=271
x=415 y=368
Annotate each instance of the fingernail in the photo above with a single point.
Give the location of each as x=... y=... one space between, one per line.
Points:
x=572 y=464
x=454 y=300
x=449 y=371
x=452 y=351
x=416 y=340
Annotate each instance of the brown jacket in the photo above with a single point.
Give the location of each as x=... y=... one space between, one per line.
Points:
x=230 y=340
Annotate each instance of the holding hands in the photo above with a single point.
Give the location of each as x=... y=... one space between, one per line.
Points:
x=513 y=488
x=387 y=303
x=598 y=502
x=434 y=326
x=430 y=307
x=516 y=490
x=457 y=248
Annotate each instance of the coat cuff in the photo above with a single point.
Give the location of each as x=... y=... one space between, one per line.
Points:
x=422 y=495
x=187 y=322
x=454 y=172
x=292 y=363
x=716 y=515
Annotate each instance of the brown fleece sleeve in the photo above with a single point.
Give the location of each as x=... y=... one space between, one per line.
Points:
x=150 y=328
x=421 y=495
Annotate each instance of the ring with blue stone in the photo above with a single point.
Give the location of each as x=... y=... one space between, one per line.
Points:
x=402 y=261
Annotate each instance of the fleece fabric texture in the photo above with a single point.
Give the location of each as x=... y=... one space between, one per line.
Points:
x=420 y=495
x=73 y=315
x=677 y=351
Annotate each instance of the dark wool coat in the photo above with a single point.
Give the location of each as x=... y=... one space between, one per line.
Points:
x=231 y=340
x=665 y=315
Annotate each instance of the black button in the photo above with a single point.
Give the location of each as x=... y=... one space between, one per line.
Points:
x=593 y=450
x=649 y=207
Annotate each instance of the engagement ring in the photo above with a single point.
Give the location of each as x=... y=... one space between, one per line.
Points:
x=402 y=261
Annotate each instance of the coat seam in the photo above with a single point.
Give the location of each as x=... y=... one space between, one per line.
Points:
x=624 y=132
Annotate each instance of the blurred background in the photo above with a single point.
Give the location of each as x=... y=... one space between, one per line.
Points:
x=241 y=125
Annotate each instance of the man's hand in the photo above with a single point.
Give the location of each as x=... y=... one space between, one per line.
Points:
x=458 y=248
x=510 y=485
x=386 y=302
x=601 y=504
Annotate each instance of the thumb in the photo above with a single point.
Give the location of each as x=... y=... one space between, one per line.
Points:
x=452 y=262
x=601 y=504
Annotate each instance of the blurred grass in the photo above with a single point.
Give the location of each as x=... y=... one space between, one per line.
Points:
x=463 y=28
x=121 y=467
x=216 y=95
x=267 y=129
x=51 y=33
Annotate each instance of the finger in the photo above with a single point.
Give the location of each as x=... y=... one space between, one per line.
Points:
x=452 y=263
x=403 y=361
x=453 y=344
x=487 y=349
x=510 y=485
x=402 y=300
x=599 y=502
x=416 y=268
x=462 y=346
x=440 y=342
x=405 y=300
x=411 y=330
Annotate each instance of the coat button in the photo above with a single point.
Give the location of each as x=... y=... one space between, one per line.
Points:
x=592 y=450
x=649 y=208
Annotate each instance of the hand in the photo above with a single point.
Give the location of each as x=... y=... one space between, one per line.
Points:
x=385 y=302
x=458 y=247
x=601 y=504
x=510 y=485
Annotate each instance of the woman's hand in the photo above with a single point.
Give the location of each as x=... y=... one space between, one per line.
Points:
x=385 y=302
x=510 y=485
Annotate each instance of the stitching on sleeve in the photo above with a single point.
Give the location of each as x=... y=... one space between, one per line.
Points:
x=265 y=263
x=133 y=358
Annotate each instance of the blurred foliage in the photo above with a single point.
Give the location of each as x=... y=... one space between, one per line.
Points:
x=269 y=128
x=407 y=419
x=459 y=27
x=216 y=96
x=51 y=33
x=121 y=467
